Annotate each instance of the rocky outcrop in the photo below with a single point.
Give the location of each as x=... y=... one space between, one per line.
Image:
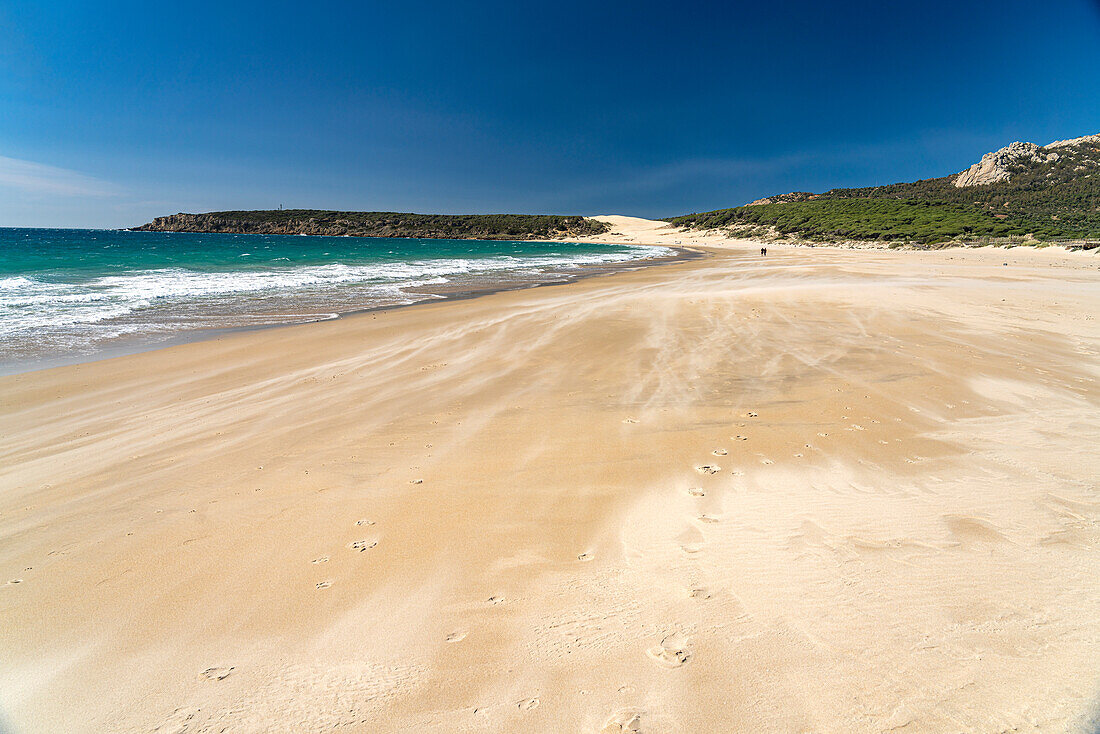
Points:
x=1000 y=164
x=997 y=166
x=1074 y=142
x=784 y=198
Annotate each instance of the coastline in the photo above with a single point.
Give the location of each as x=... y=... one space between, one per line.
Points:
x=134 y=344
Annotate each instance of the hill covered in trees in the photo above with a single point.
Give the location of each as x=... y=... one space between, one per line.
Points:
x=1046 y=193
x=380 y=224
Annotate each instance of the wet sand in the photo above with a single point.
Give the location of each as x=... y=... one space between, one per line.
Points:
x=829 y=491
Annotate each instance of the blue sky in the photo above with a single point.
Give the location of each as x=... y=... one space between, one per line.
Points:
x=112 y=113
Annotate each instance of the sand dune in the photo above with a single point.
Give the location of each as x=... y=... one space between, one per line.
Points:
x=823 y=491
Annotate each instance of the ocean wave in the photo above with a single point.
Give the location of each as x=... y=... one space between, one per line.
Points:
x=42 y=307
x=15 y=283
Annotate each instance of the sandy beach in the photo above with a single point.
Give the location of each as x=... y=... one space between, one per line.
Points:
x=822 y=491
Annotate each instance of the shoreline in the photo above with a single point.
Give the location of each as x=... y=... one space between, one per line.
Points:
x=702 y=244
x=124 y=346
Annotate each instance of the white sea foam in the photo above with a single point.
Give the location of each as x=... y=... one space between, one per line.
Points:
x=36 y=310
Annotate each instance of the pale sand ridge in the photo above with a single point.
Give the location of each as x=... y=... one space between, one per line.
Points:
x=825 y=491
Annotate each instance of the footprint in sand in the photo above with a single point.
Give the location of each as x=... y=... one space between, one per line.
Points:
x=323 y=584
x=823 y=435
x=708 y=469
x=416 y=481
x=691 y=548
x=362 y=545
x=766 y=461
x=630 y=420
x=672 y=652
x=585 y=557
x=697 y=492
x=739 y=437
x=495 y=600
x=528 y=703
x=320 y=559
x=751 y=414
x=624 y=721
x=719 y=452
x=699 y=593
x=708 y=519
x=364 y=522
x=458 y=636
x=217 y=673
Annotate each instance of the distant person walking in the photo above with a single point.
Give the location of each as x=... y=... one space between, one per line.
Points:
x=763 y=252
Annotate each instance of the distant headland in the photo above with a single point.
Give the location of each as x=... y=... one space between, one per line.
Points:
x=381 y=224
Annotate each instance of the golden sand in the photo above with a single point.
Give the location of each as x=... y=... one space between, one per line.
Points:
x=825 y=491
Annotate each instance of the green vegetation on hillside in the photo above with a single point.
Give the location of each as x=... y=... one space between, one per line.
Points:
x=860 y=219
x=380 y=224
x=1049 y=201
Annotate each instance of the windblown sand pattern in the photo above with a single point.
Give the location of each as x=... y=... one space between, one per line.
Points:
x=827 y=491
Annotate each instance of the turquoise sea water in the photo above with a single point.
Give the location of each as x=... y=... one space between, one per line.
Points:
x=71 y=293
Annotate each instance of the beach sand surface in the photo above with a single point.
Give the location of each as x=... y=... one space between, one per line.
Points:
x=822 y=491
